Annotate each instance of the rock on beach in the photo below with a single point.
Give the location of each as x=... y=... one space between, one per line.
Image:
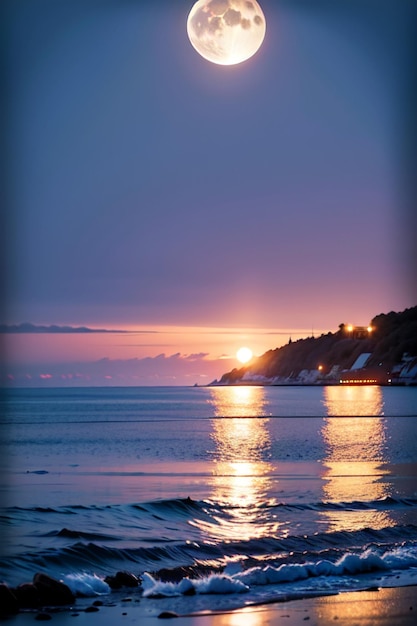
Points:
x=42 y=591
x=45 y=591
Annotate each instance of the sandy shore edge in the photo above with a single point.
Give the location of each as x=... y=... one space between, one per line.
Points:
x=383 y=607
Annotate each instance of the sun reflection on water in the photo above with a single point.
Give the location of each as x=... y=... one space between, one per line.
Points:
x=239 y=401
x=352 y=400
x=242 y=469
x=246 y=616
x=355 y=454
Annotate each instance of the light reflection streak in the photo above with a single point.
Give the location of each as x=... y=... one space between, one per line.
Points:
x=355 y=449
x=242 y=469
x=248 y=617
x=363 y=607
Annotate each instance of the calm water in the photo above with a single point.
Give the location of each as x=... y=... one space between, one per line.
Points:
x=271 y=491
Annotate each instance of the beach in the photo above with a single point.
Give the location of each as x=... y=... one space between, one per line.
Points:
x=382 y=607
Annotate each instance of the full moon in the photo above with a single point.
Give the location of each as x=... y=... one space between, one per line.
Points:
x=244 y=355
x=226 y=32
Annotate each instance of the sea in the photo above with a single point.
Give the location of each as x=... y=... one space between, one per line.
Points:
x=215 y=497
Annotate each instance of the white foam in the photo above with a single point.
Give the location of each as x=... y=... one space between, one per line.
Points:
x=220 y=583
x=348 y=564
x=152 y=587
x=87 y=585
x=402 y=558
x=237 y=580
x=215 y=584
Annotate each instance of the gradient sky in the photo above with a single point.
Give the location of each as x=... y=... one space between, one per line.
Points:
x=202 y=206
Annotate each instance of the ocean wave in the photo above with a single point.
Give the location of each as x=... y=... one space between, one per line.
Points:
x=86 y=585
x=164 y=538
x=260 y=552
x=184 y=506
x=213 y=584
x=388 y=502
x=371 y=560
x=348 y=565
x=175 y=505
x=80 y=534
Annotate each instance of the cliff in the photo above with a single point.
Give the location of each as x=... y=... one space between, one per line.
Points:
x=387 y=349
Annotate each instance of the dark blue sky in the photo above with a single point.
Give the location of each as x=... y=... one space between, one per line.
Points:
x=150 y=187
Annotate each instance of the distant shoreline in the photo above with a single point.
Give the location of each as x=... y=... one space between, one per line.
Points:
x=297 y=384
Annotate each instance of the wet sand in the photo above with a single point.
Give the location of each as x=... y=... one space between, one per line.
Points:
x=383 y=607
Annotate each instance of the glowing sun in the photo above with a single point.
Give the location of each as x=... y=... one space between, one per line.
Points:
x=226 y=31
x=244 y=355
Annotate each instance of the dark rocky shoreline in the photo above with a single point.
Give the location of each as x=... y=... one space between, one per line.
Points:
x=45 y=592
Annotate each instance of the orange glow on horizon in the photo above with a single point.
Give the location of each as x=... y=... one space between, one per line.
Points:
x=216 y=343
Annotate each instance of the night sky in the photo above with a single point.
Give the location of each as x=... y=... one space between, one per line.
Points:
x=199 y=205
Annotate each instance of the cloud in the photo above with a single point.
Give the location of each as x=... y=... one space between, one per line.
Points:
x=174 y=369
x=197 y=357
x=33 y=328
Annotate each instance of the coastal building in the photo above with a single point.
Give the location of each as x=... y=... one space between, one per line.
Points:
x=365 y=376
x=359 y=374
x=358 y=332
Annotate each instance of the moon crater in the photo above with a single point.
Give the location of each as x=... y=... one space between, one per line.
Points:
x=226 y=32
